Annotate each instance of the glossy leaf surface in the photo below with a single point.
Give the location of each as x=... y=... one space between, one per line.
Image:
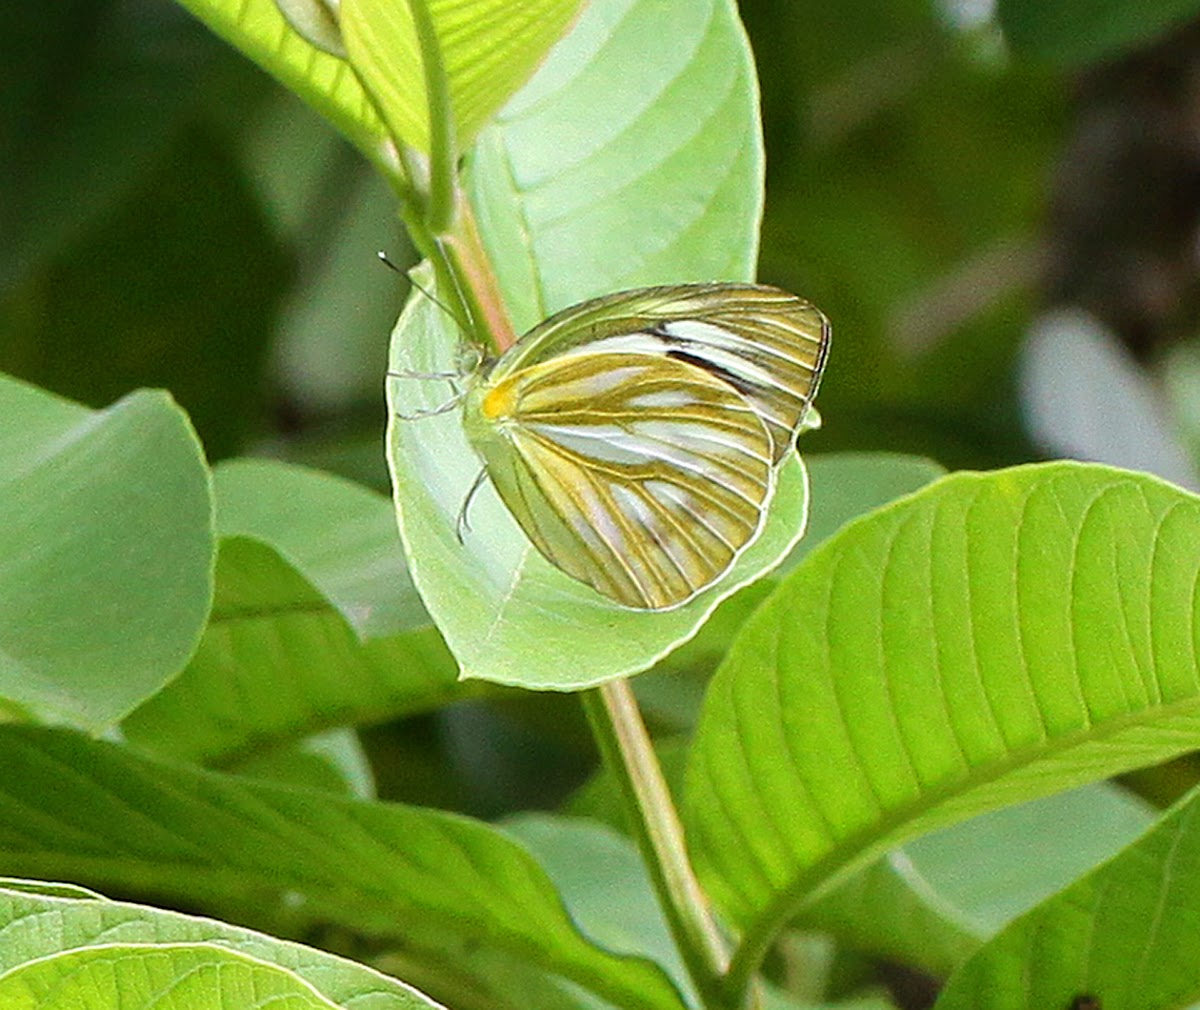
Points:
x=995 y=637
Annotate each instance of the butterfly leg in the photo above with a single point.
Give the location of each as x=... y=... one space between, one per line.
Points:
x=406 y=373
x=461 y=526
x=441 y=408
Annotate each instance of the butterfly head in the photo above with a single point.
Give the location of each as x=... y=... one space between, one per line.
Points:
x=468 y=359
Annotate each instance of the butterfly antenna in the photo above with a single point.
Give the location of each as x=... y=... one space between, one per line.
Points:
x=463 y=300
x=461 y=526
x=383 y=258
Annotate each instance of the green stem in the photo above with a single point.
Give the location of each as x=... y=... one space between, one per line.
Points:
x=439 y=211
x=629 y=756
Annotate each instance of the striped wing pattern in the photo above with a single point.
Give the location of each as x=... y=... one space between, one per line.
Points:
x=639 y=474
x=768 y=344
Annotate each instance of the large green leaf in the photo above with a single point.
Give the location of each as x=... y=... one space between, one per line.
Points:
x=73 y=807
x=106 y=547
x=489 y=49
x=339 y=535
x=278 y=661
x=527 y=624
x=992 y=638
x=310 y=565
x=1077 y=31
x=998 y=865
x=1127 y=934
x=633 y=157
x=41 y=921
x=145 y=976
x=569 y=206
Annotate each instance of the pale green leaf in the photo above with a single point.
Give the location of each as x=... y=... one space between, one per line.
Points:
x=150 y=976
x=278 y=662
x=569 y=206
x=933 y=902
x=888 y=910
x=604 y=885
x=1000 y=864
x=106 y=548
x=993 y=638
x=340 y=536
x=528 y=624
x=38 y=926
x=1127 y=934
x=633 y=157
x=248 y=850
x=489 y=49
x=333 y=760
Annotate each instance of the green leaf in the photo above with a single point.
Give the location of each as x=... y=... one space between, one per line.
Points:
x=528 y=624
x=144 y=976
x=1126 y=934
x=279 y=662
x=339 y=535
x=333 y=760
x=489 y=49
x=843 y=486
x=106 y=548
x=1080 y=31
x=80 y=928
x=604 y=885
x=993 y=638
x=251 y=850
x=569 y=206
x=1000 y=864
x=633 y=157
x=888 y=910
x=259 y=30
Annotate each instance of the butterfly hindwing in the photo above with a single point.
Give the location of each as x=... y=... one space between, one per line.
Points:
x=639 y=474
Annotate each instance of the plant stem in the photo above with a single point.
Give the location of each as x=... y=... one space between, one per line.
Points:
x=440 y=220
x=439 y=210
x=629 y=756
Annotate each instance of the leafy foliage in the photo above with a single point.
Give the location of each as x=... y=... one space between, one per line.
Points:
x=888 y=751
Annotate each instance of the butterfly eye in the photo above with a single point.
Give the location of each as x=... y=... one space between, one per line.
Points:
x=468 y=359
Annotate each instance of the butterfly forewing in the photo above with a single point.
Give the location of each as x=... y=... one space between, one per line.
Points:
x=639 y=474
x=767 y=344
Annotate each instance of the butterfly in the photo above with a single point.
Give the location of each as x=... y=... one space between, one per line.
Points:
x=636 y=437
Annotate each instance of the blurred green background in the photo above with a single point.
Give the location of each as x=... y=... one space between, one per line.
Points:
x=998 y=209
